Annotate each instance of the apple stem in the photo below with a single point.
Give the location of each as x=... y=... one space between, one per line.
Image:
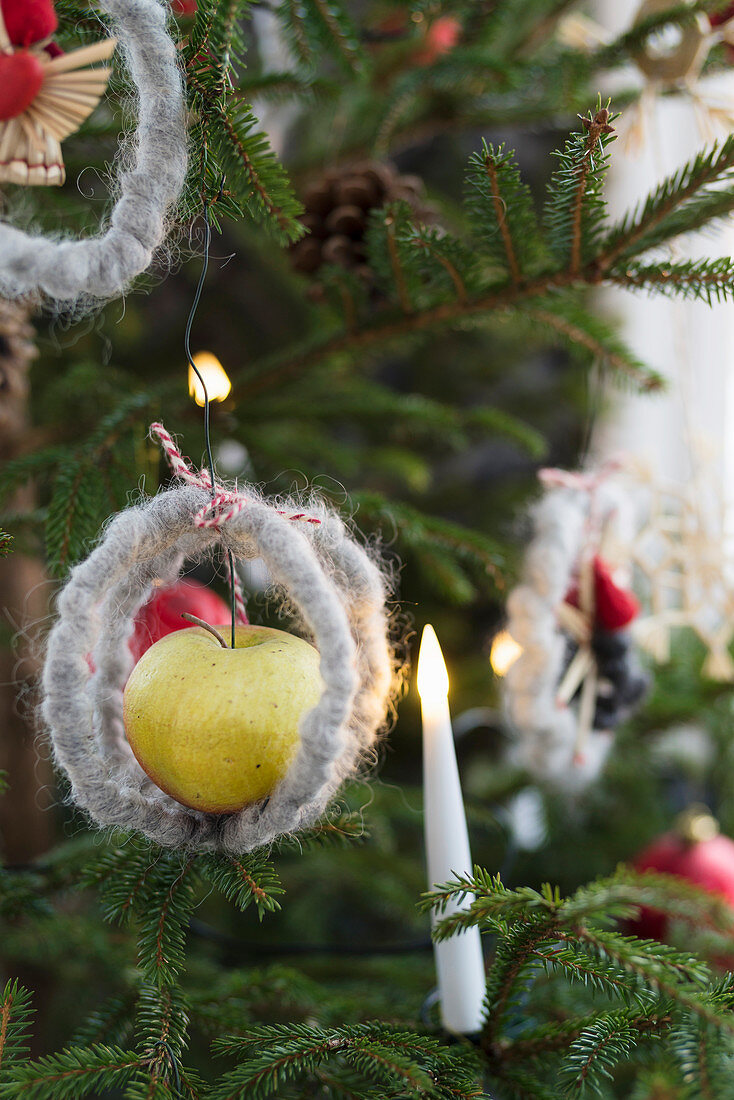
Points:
x=200 y=622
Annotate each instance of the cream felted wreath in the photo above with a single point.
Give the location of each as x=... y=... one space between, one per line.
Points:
x=555 y=738
x=328 y=578
x=103 y=266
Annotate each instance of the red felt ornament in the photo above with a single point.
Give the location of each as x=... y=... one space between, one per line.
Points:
x=614 y=607
x=694 y=851
x=161 y=615
x=28 y=21
x=21 y=77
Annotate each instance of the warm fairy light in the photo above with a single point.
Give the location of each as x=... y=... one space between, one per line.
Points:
x=433 y=678
x=215 y=377
x=505 y=651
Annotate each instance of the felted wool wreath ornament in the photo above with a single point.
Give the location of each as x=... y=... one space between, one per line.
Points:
x=336 y=591
x=99 y=267
x=576 y=676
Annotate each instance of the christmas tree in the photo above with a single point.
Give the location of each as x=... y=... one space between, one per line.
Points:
x=392 y=234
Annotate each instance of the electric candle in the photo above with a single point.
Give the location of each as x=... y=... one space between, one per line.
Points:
x=459 y=962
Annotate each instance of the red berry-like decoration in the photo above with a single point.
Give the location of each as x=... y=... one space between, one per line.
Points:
x=441 y=37
x=161 y=615
x=694 y=851
x=717 y=18
x=28 y=21
x=614 y=607
x=21 y=77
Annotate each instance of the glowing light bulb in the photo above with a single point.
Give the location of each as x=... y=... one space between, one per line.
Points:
x=433 y=677
x=505 y=651
x=215 y=378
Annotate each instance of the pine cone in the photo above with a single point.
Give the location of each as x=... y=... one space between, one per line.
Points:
x=337 y=213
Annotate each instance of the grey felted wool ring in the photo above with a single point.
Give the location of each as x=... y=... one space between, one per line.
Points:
x=102 y=267
x=326 y=577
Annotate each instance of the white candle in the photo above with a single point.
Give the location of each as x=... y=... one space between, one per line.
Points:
x=459 y=962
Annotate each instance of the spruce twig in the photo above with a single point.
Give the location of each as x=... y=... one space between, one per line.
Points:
x=595 y=127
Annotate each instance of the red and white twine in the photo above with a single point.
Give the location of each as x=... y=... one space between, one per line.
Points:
x=224 y=505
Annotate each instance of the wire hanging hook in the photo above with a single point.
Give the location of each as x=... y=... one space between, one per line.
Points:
x=207 y=405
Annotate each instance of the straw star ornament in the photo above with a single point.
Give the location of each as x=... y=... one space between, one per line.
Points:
x=45 y=95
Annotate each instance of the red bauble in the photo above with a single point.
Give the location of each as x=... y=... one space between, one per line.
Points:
x=184 y=7
x=161 y=615
x=614 y=607
x=708 y=864
x=28 y=21
x=21 y=77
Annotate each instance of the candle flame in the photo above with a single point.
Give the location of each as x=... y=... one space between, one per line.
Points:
x=505 y=651
x=433 y=678
x=215 y=377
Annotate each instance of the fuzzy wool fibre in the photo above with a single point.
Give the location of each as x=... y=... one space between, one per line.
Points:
x=102 y=267
x=544 y=733
x=336 y=589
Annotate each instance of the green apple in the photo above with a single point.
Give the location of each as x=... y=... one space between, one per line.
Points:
x=217 y=728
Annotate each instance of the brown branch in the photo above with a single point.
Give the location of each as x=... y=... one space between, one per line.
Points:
x=403 y=326
x=586 y=340
x=397 y=270
x=456 y=279
x=270 y=206
x=255 y=888
x=164 y=913
x=82 y=1071
x=500 y=211
x=594 y=127
x=4 y=1022
x=363 y=338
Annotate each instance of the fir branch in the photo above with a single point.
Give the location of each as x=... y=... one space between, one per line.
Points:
x=169 y=900
x=16 y=1015
x=587 y=174
x=19 y=471
x=582 y=328
x=602 y=1044
x=447 y=263
x=392 y=254
x=71 y=1074
x=501 y=210
x=332 y=28
x=111 y=1023
x=646 y=227
x=6 y=544
x=421 y=532
x=122 y=873
x=245 y=880
x=276 y=1055
x=73 y=515
x=705 y=280
x=342 y=830
x=519 y=1084
x=517 y=949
